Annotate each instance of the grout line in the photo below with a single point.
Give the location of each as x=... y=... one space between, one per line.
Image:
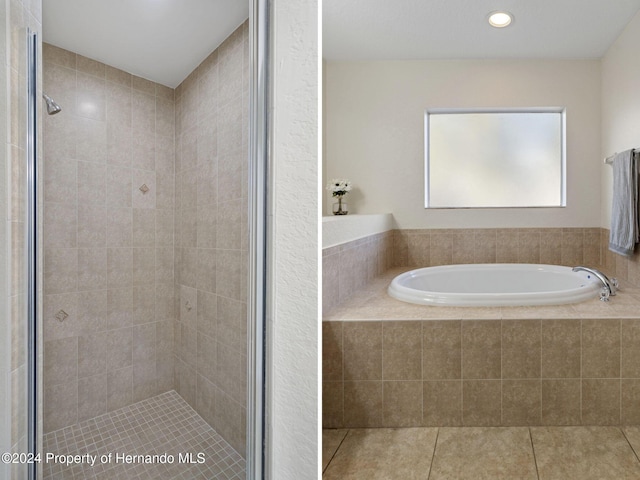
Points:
x=433 y=455
x=336 y=451
x=624 y=434
x=533 y=449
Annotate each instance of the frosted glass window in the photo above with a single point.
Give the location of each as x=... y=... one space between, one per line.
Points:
x=483 y=159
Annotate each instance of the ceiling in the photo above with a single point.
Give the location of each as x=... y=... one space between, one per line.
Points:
x=438 y=29
x=160 y=40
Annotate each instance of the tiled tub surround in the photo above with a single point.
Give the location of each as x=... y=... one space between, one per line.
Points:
x=349 y=267
x=388 y=363
x=555 y=246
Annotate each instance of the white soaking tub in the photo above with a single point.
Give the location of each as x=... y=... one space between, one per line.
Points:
x=500 y=284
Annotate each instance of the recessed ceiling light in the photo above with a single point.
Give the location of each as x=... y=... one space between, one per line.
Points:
x=500 y=19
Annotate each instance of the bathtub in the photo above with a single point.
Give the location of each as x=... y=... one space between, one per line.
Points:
x=494 y=285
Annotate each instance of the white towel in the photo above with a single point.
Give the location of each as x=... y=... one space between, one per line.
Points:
x=624 y=210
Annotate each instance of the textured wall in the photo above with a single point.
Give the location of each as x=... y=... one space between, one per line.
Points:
x=375 y=132
x=620 y=105
x=293 y=296
x=108 y=247
x=212 y=237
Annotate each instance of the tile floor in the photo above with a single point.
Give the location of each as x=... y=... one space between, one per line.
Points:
x=492 y=453
x=162 y=424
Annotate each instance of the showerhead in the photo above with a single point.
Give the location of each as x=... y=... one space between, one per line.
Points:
x=52 y=106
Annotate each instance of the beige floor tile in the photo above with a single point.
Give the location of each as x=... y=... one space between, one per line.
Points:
x=483 y=453
x=384 y=454
x=633 y=436
x=584 y=453
x=331 y=440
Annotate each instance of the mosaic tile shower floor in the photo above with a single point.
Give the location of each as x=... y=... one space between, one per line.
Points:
x=164 y=424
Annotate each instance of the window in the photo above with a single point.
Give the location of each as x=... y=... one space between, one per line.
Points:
x=486 y=158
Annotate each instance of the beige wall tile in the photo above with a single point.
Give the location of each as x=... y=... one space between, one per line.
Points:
x=144 y=380
x=231 y=367
x=231 y=421
x=521 y=402
x=485 y=246
x=463 y=247
x=630 y=361
x=441 y=250
x=332 y=351
x=119 y=388
x=231 y=327
x=92 y=226
x=551 y=246
x=561 y=343
x=207 y=358
x=402 y=403
x=362 y=404
x=60 y=405
x=529 y=246
x=442 y=403
x=61 y=361
x=61 y=180
x=442 y=349
x=630 y=402
x=362 y=350
x=119 y=346
x=332 y=404
x=91 y=184
x=92 y=397
x=521 y=349
x=481 y=402
x=601 y=348
x=206 y=399
x=330 y=282
x=91 y=139
x=561 y=402
x=92 y=355
x=481 y=340
x=60 y=270
x=601 y=402
x=119 y=308
x=402 y=351
x=572 y=246
x=507 y=246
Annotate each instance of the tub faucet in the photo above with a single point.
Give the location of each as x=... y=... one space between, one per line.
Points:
x=610 y=286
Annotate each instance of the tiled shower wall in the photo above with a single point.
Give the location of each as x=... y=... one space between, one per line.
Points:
x=108 y=246
x=212 y=237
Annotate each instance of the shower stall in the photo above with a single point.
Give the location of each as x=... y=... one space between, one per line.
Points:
x=135 y=230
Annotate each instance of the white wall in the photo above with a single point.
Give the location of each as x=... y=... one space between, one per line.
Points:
x=293 y=324
x=375 y=132
x=620 y=105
